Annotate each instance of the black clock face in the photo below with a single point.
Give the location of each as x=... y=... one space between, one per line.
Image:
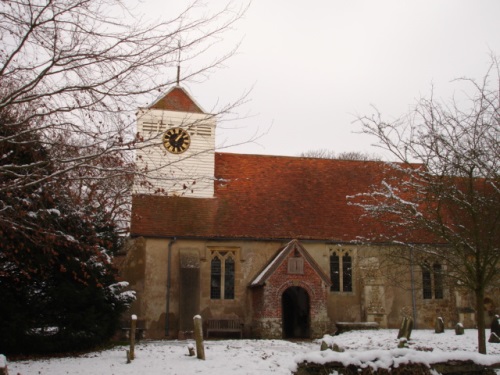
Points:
x=176 y=140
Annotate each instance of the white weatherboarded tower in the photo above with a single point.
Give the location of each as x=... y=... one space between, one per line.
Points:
x=179 y=149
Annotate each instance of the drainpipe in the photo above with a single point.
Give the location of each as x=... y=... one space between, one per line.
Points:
x=169 y=276
x=413 y=299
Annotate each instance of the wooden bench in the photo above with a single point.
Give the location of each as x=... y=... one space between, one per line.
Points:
x=224 y=326
x=354 y=326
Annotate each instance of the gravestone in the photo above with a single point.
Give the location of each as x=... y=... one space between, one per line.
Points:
x=402 y=327
x=406 y=328
x=334 y=347
x=324 y=346
x=337 y=348
x=459 y=329
x=439 y=327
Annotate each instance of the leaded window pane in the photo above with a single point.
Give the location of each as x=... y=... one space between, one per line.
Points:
x=438 y=281
x=229 y=279
x=215 y=278
x=347 y=273
x=335 y=272
x=426 y=282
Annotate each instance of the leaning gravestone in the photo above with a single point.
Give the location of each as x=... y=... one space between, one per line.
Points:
x=402 y=327
x=406 y=328
x=459 y=329
x=439 y=328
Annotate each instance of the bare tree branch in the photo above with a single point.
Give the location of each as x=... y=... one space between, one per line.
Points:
x=445 y=186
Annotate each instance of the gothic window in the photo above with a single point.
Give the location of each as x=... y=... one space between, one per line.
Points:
x=335 y=272
x=222 y=275
x=229 y=279
x=347 y=273
x=432 y=281
x=426 y=282
x=341 y=271
x=215 y=278
x=438 y=281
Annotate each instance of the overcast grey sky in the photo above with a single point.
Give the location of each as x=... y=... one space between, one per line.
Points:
x=315 y=65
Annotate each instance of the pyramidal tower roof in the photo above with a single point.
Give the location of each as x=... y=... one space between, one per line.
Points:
x=177 y=99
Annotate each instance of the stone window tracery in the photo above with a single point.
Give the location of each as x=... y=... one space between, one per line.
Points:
x=222 y=274
x=341 y=270
x=432 y=281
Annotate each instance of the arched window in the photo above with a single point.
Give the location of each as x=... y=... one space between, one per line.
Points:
x=341 y=271
x=222 y=275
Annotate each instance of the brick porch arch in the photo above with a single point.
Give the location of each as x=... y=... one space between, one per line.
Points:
x=268 y=287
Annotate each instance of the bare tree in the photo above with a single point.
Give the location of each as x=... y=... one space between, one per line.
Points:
x=75 y=70
x=446 y=184
x=346 y=155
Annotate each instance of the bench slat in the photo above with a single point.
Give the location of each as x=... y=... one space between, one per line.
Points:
x=224 y=325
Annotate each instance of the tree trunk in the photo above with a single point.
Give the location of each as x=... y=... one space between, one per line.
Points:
x=481 y=324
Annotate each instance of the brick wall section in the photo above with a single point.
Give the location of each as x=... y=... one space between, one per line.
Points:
x=267 y=299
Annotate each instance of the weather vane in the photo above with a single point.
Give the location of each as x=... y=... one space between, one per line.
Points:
x=179 y=64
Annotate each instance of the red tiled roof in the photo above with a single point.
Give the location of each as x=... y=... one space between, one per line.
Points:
x=177 y=99
x=269 y=197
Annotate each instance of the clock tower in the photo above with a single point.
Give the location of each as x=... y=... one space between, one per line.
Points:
x=177 y=156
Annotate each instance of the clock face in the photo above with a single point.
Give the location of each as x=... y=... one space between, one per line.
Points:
x=176 y=140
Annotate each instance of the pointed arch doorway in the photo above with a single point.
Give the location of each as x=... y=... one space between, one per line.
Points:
x=295 y=307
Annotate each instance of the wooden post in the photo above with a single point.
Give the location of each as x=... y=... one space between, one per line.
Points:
x=198 y=335
x=133 y=325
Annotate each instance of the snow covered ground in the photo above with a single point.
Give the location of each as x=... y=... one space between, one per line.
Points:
x=224 y=357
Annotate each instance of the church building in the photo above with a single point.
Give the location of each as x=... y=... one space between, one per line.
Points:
x=269 y=241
